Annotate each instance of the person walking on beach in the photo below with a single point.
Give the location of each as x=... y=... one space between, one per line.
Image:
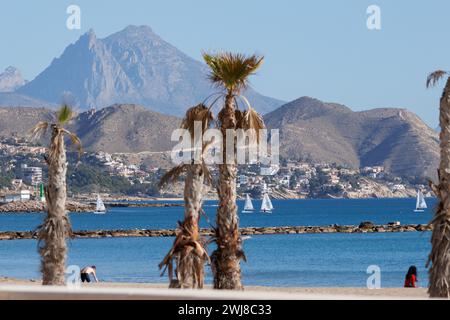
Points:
x=86 y=273
x=411 y=277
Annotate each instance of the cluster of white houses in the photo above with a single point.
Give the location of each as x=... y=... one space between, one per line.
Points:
x=24 y=190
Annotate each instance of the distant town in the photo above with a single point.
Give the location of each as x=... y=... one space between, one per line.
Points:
x=23 y=173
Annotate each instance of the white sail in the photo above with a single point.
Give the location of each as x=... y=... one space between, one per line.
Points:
x=266 y=205
x=100 y=206
x=248 y=204
x=269 y=202
x=420 y=202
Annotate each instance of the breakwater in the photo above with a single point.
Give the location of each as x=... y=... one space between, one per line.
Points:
x=79 y=207
x=362 y=228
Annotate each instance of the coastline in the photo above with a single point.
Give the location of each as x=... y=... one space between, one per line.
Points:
x=75 y=206
x=85 y=205
x=394 y=293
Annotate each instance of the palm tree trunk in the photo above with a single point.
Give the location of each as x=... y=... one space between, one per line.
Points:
x=440 y=253
x=226 y=258
x=190 y=262
x=188 y=249
x=56 y=227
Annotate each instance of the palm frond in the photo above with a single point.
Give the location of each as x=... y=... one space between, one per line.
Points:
x=173 y=174
x=434 y=77
x=251 y=119
x=76 y=142
x=198 y=113
x=65 y=114
x=232 y=70
x=38 y=130
x=239 y=115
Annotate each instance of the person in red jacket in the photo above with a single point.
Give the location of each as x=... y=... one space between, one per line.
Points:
x=411 y=277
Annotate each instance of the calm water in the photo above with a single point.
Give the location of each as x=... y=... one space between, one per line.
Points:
x=287 y=213
x=276 y=260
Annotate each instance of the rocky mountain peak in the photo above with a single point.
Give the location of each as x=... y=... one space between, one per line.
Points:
x=133 y=65
x=11 y=79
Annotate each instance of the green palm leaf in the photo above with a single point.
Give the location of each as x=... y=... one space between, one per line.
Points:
x=65 y=114
x=232 y=70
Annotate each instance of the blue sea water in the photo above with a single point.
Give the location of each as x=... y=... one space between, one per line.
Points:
x=320 y=212
x=273 y=260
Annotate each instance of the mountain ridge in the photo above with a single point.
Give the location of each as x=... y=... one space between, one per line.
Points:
x=11 y=79
x=390 y=137
x=133 y=65
x=310 y=130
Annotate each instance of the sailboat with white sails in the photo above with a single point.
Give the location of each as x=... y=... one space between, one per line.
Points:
x=266 y=205
x=421 y=204
x=248 y=207
x=100 y=206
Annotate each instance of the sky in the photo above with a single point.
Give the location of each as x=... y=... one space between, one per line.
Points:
x=321 y=48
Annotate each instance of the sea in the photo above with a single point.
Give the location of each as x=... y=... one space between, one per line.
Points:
x=298 y=260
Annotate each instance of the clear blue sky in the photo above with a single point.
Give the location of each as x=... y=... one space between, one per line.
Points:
x=316 y=48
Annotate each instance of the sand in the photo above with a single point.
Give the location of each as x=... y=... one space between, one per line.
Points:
x=394 y=293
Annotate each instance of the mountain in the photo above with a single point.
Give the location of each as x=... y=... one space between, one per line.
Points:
x=125 y=129
x=309 y=129
x=131 y=66
x=12 y=99
x=328 y=132
x=11 y=79
x=18 y=121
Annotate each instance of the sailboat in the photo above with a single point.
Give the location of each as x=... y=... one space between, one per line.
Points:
x=100 y=206
x=420 y=202
x=266 y=205
x=248 y=207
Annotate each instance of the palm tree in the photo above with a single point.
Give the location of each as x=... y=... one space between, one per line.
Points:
x=188 y=249
x=230 y=72
x=56 y=228
x=439 y=258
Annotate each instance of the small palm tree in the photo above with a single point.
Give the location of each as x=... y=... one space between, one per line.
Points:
x=439 y=258
x=56 y=228
x=231 y=73
x=188 y=249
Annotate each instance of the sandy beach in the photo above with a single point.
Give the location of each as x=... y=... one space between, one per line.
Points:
x=390 y=293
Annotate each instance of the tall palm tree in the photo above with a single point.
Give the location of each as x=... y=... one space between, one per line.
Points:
x=231 y=73
x=188 y=249
x=439 y=258
x=56 y=228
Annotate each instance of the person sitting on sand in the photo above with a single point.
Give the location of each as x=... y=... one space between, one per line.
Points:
x=86 y=272
x=411 y=277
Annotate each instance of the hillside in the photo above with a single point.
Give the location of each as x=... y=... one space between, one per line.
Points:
x=125 y=129
x=309 y=129
x=327 y=132
x=18 y=121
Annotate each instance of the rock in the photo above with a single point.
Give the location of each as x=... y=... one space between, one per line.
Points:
x=38 y=206
x=366 y=225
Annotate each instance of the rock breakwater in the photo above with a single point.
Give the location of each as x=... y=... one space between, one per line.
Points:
x=14 y=235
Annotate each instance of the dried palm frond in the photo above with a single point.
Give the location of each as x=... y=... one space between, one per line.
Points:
x=172 y=175
x=38 y=130
x=198 y=113
x=76 y=142
x=239 y=115
x=251 y=119
x=232 y=70
x=434 y=77
x=190 y=254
